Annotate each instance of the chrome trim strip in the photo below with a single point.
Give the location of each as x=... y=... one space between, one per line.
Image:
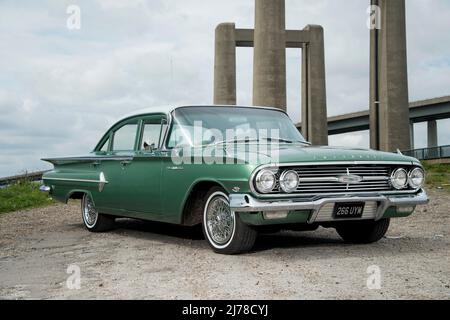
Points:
x=247 y=203
x=77 y=180
x=101 y=182
x=323 y=163
x=111 y=158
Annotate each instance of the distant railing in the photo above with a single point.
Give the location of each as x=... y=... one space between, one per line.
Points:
x=429 y=153
x=34 y=176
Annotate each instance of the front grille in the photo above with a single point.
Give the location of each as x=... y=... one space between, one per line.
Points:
x=325 y=179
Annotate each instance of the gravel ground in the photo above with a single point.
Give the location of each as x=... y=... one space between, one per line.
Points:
x=141 y=260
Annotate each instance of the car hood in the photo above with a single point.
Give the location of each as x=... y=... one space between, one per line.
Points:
x=297 y=153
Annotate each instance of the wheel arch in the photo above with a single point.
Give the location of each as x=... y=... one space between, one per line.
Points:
x=78 y=194
x=192 y=205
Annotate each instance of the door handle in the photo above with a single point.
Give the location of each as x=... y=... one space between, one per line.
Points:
x=96 y=164
x=125 y=163
x=175 y=168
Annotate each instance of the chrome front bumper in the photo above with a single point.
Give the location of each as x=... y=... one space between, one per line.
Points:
x=247 y=203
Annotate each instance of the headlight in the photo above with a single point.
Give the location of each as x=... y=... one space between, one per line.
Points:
x=289 y=181
x=416 y=178
x=265 y=181
x=399 y=179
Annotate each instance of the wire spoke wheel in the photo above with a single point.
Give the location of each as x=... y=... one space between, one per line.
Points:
x=90 y=214
x=220 y=220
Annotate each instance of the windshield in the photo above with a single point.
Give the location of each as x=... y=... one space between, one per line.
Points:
x=198 y=126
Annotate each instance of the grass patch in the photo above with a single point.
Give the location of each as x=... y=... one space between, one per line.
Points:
x=22 y=195
x=438 y=176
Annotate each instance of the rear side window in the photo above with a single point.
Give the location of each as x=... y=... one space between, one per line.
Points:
x=125 y=137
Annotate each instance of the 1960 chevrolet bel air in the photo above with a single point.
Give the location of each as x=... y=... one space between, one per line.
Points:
x=235 y=171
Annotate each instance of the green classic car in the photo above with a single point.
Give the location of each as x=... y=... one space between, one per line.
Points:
x=236 y=171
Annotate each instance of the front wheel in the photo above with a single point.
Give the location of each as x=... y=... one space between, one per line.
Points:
x=93 y=220
x=363 y=232
x=223 y=229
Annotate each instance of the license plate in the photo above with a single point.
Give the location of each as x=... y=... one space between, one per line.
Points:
x=349 y=210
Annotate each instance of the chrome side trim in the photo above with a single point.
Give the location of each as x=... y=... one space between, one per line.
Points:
x=86 y=159
x=101 y=182
x=76 y=180
x=247 y=203
x=331 y=163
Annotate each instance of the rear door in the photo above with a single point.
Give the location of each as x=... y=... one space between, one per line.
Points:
x=141 y=181
x=116 y=153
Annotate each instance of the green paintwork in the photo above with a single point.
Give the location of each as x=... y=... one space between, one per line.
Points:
x=148 y=185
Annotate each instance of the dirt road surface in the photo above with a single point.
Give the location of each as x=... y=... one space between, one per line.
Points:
x=141 y=260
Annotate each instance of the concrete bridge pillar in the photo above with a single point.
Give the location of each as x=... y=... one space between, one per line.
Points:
x=225 y=65
x=432 y=134
x=269 y=63
x=389 y=85
x=314 y=97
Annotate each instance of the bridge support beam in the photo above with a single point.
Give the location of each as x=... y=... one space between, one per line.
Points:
x=389 y=80
x=432 y=134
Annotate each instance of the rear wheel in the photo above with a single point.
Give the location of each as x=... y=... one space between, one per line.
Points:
x=94 y=221
x=223 y=229
x=363 y=232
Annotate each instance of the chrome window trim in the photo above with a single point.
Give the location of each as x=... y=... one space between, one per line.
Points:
x=166 y=133
x=331 y=163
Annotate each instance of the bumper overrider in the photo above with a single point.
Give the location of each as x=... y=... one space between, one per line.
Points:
x=245 y=203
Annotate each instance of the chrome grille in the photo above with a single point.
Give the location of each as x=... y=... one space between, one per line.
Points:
x=325 y=179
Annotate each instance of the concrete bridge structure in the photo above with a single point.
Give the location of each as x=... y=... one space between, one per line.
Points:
x=388 y=103
x=429 y=111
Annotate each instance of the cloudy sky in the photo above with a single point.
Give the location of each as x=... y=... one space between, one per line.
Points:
x=60 y=89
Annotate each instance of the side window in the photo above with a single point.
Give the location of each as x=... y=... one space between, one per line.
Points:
x=151 y=135
x=125 y=137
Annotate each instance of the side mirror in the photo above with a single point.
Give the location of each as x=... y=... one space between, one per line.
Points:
x=149 y=147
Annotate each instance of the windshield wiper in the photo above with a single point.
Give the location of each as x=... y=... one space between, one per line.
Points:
x=286 y=141
x=278 y=140
x=246 y=140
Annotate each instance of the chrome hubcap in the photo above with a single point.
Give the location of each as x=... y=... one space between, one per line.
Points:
x=89 y=212
x=220 y=220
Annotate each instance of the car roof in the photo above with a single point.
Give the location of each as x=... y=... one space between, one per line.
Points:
x=168 y=109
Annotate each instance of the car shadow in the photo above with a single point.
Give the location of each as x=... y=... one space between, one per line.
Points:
x=148 y=229
x=176 y=234
x=312 y=243
x=291 y=239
